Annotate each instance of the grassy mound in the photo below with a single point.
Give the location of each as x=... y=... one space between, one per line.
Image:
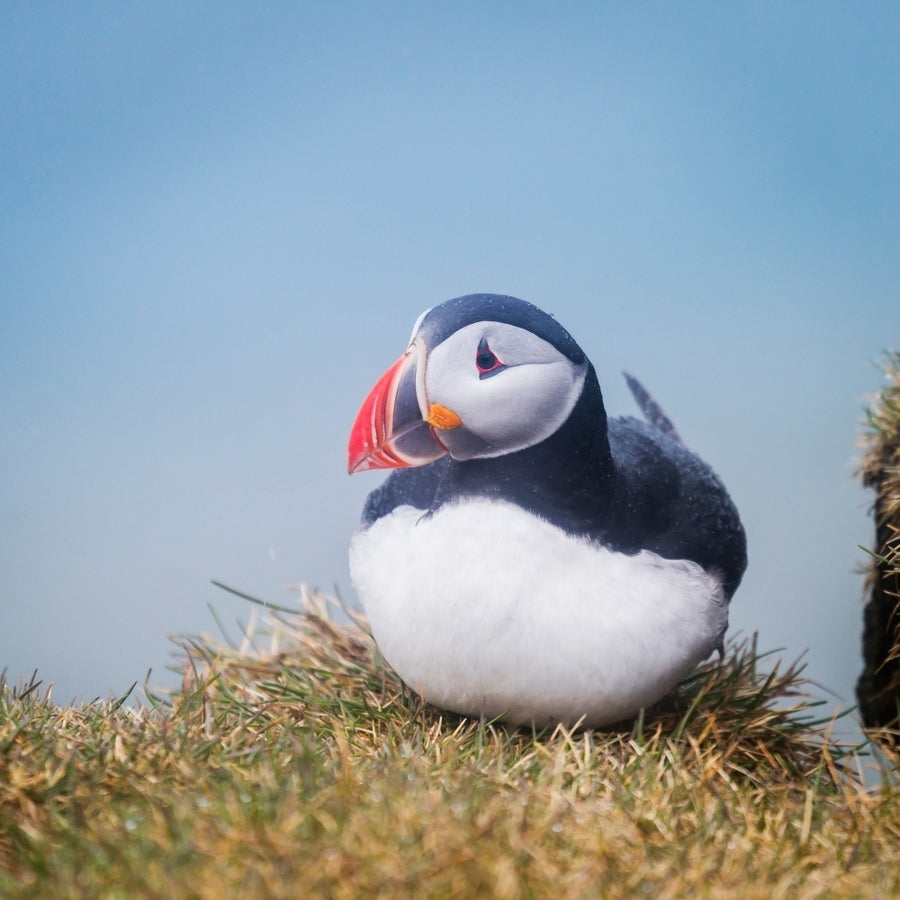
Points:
x=879 y=685
x=296 y=765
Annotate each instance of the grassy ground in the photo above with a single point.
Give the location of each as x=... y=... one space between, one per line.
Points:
x=296 y=765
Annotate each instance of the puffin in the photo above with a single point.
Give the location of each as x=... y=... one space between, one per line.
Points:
x=529 y=559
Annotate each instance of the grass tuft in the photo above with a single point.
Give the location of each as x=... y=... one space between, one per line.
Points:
x=295 y=763
x=879 y=685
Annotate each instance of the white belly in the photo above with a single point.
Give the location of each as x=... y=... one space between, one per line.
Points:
x=486 y=610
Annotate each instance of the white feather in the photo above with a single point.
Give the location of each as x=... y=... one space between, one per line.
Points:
x=487 y=610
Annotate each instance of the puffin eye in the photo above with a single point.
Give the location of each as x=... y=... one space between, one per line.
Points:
x=486 y=360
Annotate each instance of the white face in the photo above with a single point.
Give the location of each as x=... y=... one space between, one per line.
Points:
x=515 y=404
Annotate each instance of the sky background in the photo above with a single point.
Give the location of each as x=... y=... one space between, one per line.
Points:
x=218 y=223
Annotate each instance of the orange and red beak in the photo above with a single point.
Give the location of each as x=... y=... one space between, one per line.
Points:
x=395 y=426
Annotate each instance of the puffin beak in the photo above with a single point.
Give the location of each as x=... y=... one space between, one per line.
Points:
x=395 y=426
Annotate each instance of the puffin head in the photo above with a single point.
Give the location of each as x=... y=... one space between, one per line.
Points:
x=484 y=375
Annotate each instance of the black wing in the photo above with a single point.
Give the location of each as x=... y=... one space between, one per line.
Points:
x=662 y=484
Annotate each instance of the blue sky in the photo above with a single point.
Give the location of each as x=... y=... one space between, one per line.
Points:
x=219 y=222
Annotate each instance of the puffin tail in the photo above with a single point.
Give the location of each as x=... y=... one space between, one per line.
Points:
x=651 y=409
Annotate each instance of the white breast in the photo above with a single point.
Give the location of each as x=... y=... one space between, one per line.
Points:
x=486 y=610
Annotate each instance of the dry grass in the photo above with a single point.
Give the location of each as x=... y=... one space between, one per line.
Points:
x=297 y=765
